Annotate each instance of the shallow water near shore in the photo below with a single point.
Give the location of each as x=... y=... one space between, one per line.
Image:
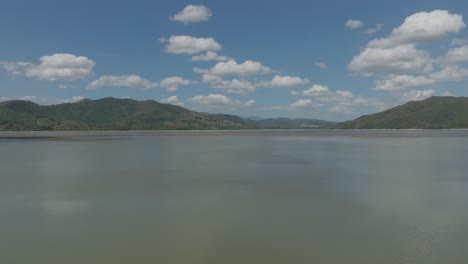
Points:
x=282 y=196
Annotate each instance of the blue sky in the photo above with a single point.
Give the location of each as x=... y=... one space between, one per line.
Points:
x=333 y=60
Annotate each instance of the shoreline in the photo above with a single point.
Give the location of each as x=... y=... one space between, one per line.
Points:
x=84 y=136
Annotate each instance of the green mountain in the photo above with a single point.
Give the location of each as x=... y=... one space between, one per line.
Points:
x=126 y=114
x=111 y=114
x=436 y=112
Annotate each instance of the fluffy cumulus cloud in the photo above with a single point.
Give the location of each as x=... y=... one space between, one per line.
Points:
x=450 y=73
x=302 y=103
x=341 y=101
x=59 y=66
x=219 y=100
x=417 y=95
x=192 y=13
x=132 y=81
x=135 y=81
x=455 y=55
x=395 y=59
x=423 y=27
x=398 y=53
x=401 y=82
x=16 y=68
x=172 y=100
x=210 y=56
x=172 y=83
x=233 y=86
x=190 y=45
x=391 y=59
x=316 y=90
x=231 y=67
x=354 y=24
x=285 y=81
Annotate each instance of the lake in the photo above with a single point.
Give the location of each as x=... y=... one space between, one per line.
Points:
x=225 y=197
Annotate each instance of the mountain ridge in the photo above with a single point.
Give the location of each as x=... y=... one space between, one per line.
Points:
x=124 y=114
x=436 y=112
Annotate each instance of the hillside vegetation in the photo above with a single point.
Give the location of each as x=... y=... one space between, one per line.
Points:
x=126 y=114
x=437 y=112
x=110 y=114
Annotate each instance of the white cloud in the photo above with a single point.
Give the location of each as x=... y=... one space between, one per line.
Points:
x=417 y=95
x=450 y=73
x=66 y=86
x=423 y=27
x=74 y=99
x=377 y=28
x=342 y=101
x=210 y=56
x=399 y=58
x=446 y=93
x=172 y=100
x=3 y=99
x=302 y=103
x=190 y=45
x=353 y=24
x=340 y=98
x=133 y=81
x=231 y=67
x=77 y=98
x=192 y=13
x=16 y=68
x=34 y=99
x=172 y=83
x=211 y=99
x=284 y=81
x=59 y=66
x=459 y=42
x=294 y=93
x=401 y=82
x=454 y=55
x=219 y=100
x=316 y=90
x=249 y=103
x=342 y=109
x=320 y=64
x=234 y=86
x=393 y=59
x=344 y=94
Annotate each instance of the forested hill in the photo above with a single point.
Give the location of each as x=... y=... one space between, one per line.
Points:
x=110 y=114
x=126 y=114
x=437 y=112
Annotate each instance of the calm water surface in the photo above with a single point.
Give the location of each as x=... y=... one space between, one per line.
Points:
x=242 y=197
